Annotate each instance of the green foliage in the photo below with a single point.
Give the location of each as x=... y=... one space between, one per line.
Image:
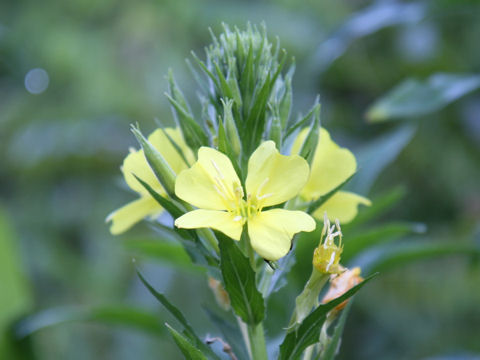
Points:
x=416 y=98
x=119 y=315
x=363 y=239
x=15 y=298
x=190 y=351
x=297 y=340
x=188 y=330
x=239 y=280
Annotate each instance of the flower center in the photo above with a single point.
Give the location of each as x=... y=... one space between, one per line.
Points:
x=234 y=197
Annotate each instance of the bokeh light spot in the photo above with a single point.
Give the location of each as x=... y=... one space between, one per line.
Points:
x=36 y=81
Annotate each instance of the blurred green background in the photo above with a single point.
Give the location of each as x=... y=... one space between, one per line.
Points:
x=73 y=76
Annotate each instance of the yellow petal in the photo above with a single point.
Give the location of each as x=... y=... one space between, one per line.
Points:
x=271 y=231
x=331 y=165
x=274 y=178
x=218 y=220
x=161 y=142
x=135 y=163
x=210 y=183
x=128 y=215
x=342 y=206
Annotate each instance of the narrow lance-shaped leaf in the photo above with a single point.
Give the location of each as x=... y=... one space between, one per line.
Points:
x=415 y=98
x=308 y=332
x=181 y=319
x=239 y=281
x=134 y=318
x=364 y=239
x=157 y=162
x=334 y=342
x=395 y=255
x=377 y=154
x=189 y=350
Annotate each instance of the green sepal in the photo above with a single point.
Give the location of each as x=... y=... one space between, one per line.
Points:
x=285 y=105
x=231 y=131
x=194 y=134
x=308 y=332
x=157 y=162
x=188 y=349
x=225 y=146
x=311 y=140
x=303 y=122
x=240 y=284
x=308 y=298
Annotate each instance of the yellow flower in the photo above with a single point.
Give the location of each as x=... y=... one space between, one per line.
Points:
x=331 y=166
x=326 y=257
x=213 y=186
x=135 y=163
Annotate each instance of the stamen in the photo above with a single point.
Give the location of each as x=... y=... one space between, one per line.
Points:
x=264 y=196
x=330 y=263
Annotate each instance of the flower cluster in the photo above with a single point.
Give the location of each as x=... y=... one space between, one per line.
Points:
x=242 y=179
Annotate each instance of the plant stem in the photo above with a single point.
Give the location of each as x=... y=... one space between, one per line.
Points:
x=257 y=342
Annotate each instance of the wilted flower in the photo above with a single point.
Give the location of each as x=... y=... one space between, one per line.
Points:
x=326 y=257
x=213 y=186
x=331 y=166
x=135 y=164
x=340 y=284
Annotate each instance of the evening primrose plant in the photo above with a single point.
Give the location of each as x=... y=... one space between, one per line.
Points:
x=241 y=179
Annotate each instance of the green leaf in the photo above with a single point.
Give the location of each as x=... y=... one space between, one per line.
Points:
x=415 y=98
x=109 y=314
x=167 y=204
x=168 y=252
x=15 y=298
x=239 y=281
x=334 y=343
x=377 y=154
x=395 y=255
x=380 y=205
x=157 y=162
x=192 y=131
x=364 y=239
x=189 y=350
x=308 y=332
x=179 y=316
